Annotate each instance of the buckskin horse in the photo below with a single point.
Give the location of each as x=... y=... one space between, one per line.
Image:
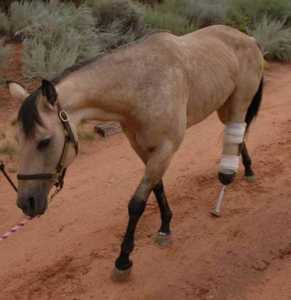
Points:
x=156 y=88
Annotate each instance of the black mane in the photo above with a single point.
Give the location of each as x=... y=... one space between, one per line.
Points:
x=28 y=114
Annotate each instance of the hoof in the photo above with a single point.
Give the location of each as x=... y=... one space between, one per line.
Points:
x=121 y=275
x=216 y=214
x=163 y=240
x=251 y=178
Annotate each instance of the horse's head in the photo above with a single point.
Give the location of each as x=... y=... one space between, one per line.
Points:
x=47 y=143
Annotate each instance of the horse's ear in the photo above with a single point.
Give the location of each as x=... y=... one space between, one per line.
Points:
x=49 y=91
x=17 y=91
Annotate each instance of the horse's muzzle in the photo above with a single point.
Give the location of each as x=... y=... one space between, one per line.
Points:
x=32 y=206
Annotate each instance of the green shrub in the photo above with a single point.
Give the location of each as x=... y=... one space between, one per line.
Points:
x=66 y=35
x=169 y=15
x=246 y=13
x=5 y=4
x=117 y=21
x=206 y=12
x=172 y=22
x=63 y=37
x=4 y=23
x=3 y=55
x=24 y=14
x=274 y=38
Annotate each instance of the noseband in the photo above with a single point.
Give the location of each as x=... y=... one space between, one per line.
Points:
x=60 y=172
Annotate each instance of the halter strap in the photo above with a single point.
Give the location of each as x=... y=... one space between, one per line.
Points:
x=40 y=176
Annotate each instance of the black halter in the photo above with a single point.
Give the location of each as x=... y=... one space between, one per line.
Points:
x=60 y=173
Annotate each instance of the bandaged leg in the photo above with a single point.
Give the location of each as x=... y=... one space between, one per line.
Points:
x=233 y=137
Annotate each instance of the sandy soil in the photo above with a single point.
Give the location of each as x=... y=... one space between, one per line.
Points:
x=69 y=252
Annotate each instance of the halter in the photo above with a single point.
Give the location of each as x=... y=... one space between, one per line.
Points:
x=60 y=172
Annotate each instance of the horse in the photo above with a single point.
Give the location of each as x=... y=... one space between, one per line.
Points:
x=155 y=88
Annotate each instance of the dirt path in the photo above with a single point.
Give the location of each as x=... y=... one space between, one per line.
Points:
x=69 y=253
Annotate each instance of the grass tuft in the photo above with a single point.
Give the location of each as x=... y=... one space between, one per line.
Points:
x=274 y=38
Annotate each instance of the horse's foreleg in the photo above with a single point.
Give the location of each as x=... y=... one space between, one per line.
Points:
x=163 y=236
x=155 y=168
x=123 y=264
x=247 y=162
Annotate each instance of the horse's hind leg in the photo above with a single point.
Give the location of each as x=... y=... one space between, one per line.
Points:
x=163 y=235
x=233 y=138
x=232 y=146
x=247 y=162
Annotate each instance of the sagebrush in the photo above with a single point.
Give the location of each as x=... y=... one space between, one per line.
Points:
x=206 y=12
x=117 y=22
x=4 y=51
x=169 y=15
x=246 y=14
x=64 y=36
x=274 y=38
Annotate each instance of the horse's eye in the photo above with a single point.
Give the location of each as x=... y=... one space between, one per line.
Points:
x=43 y=144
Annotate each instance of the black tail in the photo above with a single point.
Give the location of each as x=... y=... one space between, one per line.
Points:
x=255 y=105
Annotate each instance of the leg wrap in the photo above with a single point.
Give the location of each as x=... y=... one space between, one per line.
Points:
x=234 y=133
x=229 y=163
x=233 y=137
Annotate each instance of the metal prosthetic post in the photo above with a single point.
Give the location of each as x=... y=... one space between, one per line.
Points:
x=233 y=137
x=216 y=210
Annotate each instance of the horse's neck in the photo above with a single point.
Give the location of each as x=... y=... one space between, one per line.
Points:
x=86 y=95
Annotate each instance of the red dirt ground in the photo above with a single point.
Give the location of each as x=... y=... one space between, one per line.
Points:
x=69 y=252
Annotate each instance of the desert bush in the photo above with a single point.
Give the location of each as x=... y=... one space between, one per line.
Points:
x=5 y=4
x=150 y=2
x=8 y=144
x=274 y=38
x=3 y=54
x=168 y=21
x=117 y=21
x=246 y=13
x=4 y=23
x=64 y=36
x=206 y=12
x=169 y=15
x=24 y=14
x=8 y=149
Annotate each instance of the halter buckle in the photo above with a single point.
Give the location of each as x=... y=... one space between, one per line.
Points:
x=63 y=116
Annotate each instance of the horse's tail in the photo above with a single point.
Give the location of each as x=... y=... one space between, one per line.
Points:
x=255 y=105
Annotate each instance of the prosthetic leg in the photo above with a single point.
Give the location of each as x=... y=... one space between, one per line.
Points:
x=233 y=137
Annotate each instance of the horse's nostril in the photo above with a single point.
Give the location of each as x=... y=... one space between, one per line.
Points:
x=31 y=203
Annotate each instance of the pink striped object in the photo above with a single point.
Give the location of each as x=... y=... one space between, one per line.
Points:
x=14 y=229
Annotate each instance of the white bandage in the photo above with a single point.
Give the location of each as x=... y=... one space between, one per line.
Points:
x=234 y=133
x=229 y=163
